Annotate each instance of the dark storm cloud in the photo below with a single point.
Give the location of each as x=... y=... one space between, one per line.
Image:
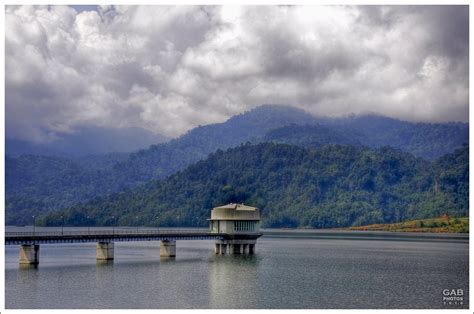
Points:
x=132 y=74
x=448 y=26
x=171 y=68
x=450 y=29
x=82 y=8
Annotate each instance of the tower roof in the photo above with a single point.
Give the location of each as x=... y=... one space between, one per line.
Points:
x=235 y=211
x=237 y=207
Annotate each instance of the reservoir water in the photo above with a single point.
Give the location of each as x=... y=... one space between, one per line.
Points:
x=289 y=270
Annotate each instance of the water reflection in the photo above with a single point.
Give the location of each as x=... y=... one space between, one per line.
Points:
x=105 y=263
x=27 y=266
x=233 y=279
x=285 y=273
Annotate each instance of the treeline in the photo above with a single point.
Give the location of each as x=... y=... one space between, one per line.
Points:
x=426 y=140
x=38 y=184
x=330 y=186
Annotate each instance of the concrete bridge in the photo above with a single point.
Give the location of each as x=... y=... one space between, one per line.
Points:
x=239 y=243
x=234 y=227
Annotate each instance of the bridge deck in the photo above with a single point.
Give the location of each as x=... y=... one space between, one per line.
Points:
x=118 y=235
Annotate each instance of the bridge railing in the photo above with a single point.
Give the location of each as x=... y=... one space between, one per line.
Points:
x=106 y=232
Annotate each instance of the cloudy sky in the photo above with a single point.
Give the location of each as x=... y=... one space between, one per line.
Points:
x=169 y=69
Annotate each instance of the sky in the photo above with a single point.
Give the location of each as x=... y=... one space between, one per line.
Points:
x=169 y=69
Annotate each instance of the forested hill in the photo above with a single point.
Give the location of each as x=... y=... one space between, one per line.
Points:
x=261 y=125
x=37 y=184
x=310 y=136
x=427 y=140
x=161 y=160
x=330 y=186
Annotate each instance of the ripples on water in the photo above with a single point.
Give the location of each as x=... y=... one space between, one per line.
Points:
x=288 y=272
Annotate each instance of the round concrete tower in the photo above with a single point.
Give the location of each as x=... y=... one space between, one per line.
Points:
x=241 y=226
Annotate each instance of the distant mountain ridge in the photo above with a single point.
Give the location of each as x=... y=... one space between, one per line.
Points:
x=87 y=141
x=329 y=186
x=309 y=136
x=96 y=176
x=427 y=140
x=159 y=161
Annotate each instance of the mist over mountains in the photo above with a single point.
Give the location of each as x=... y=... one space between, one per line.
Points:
x=40 y=184
x=91 y=140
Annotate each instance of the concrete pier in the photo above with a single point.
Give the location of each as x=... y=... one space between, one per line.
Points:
x=29 y=254
x=251 y=248
x=168 y=248
x=105 y=251
x=235 y=247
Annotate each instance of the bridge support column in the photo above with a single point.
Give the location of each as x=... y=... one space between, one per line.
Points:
x=220 y=248
x=251 y=248
x=105 y=251
x=235 y=246
x=168 y=248
x=29 y=254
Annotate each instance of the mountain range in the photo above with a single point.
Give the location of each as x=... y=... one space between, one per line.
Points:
x=329 y=186
x=40 y=184
x=84 y=141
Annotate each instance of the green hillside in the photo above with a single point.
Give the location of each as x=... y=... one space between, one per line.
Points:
x=437 y=225
x=331 y=186
x=38 y=184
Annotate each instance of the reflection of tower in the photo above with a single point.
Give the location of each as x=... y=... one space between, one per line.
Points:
x=241 y=226
x=234 y=283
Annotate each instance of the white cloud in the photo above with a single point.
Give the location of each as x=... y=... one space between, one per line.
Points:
x=170 y=69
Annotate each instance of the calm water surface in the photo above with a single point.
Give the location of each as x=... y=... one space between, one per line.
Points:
x=288 y=271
